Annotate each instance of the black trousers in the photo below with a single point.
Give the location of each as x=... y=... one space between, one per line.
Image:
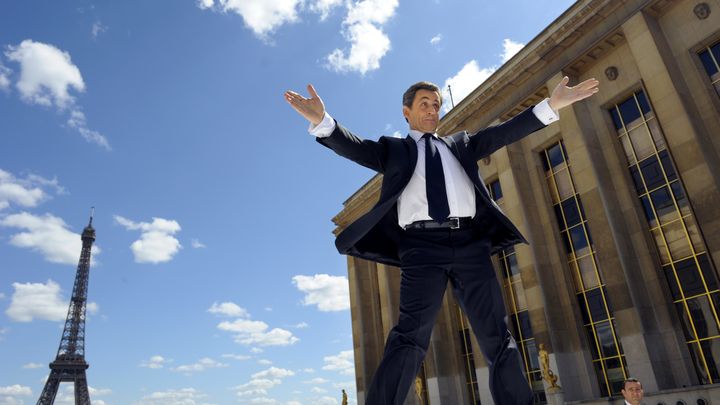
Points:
x=429 y=259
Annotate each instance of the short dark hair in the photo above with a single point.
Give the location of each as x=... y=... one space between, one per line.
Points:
x=409 y=95
x=631 y=380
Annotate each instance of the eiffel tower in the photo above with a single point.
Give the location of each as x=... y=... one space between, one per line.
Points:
x=70 y=364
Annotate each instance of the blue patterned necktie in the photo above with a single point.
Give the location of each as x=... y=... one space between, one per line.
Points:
x=438 y=207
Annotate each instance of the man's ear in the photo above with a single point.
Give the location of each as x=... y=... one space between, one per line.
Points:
x=406 y=112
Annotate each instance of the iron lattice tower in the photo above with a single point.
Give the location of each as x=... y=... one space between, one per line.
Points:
x=70 y=364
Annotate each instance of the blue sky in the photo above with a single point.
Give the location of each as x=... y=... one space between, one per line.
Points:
x=216 y=280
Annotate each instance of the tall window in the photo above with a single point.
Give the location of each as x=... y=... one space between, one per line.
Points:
x=467 y=359
x=685 y=263
x=710 y=58
x=607 y=353
x=519 y=318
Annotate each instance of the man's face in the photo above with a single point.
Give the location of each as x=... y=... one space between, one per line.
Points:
x=424 y=114
x=633 y=393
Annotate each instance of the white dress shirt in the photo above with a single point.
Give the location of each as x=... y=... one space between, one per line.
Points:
x=412 y=204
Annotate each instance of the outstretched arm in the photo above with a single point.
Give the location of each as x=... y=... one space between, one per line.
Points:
x=368 y=153
x=563 y=96
x=311 y=108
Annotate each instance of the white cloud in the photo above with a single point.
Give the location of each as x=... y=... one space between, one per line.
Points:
x=236 y=356
x=48 y=235
x=342 y=362
x=464 y=82
x=324 y=7
x=363 y=29
x=97 y=29
x=264 y=401
x=205 y=4
x=308 y=370
x=317 y=380
x=197 y=244
x=23 y=192
x=510 y=48
x=155 y=362
x=326 y=401
x=66 y=396
x=436 y=39
x=262 y=16
x=329 y=293
x=318 y=390
x=228 y=309
x=40 y=301
x=203 y=364
x=47 y=74
x=256 y=350
x=184 y=396
x=4 y=78
x=15 y=390
x=256 y=332
x=472 y=75
x=293 y=403
x=78 y=122
x=33 y=365
x=302 y=325
x=264 y=362
x=157 y=243
x=274 y=372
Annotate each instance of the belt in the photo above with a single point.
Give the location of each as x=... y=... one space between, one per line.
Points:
x=450 y=223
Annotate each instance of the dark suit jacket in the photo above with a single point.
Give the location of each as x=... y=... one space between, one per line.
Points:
x=375 y=235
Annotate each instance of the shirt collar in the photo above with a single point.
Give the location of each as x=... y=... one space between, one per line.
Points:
x=417 y=135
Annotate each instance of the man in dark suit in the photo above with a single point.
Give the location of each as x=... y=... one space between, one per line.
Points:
x=436 y=221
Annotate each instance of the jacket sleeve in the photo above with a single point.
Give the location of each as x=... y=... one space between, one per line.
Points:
x=490 y=139
x=370 y=154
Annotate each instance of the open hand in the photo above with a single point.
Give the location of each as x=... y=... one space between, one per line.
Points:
x=563 y=95
x=311 y=108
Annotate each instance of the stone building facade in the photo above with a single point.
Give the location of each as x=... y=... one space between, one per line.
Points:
x=620 y=201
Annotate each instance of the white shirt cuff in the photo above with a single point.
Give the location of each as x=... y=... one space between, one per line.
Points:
x=544 y=113
x=324 y=128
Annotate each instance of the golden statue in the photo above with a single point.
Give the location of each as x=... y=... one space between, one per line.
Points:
x=419 y=389
x=547 y=374
x=344 y=398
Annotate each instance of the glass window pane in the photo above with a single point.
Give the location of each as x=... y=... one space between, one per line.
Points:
x=597 y=304
x=519 y=294
x=699 y=364
x=606 y=340
x=695 y=237
x=615 y=118
x=566 y=241
x=708 y=63
x=553 y=189
x=587 y=272
x=702 y=317
x=656 y=134
x=512 y=263
x=642 y=100
x=667 y=165
x=649 y=213
x=560 y=217
x=677 y=240
x=664 y=206
x=689 y=275
x=555 y=156
x=711 y=350
x=642 y=142
x=661 y=245
x=525 y=327
x=570 y=209
x=715 y=49
x=687 y=326
x=584 y=311
x=672 y=282
x=629 y=112
x=652 y=173
x=708 y=272
x=496 y=190
x=564 y=185
x=627 y=147
x=579 y=240
x=637 y=179
x=679 y=194
x=532 y=355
